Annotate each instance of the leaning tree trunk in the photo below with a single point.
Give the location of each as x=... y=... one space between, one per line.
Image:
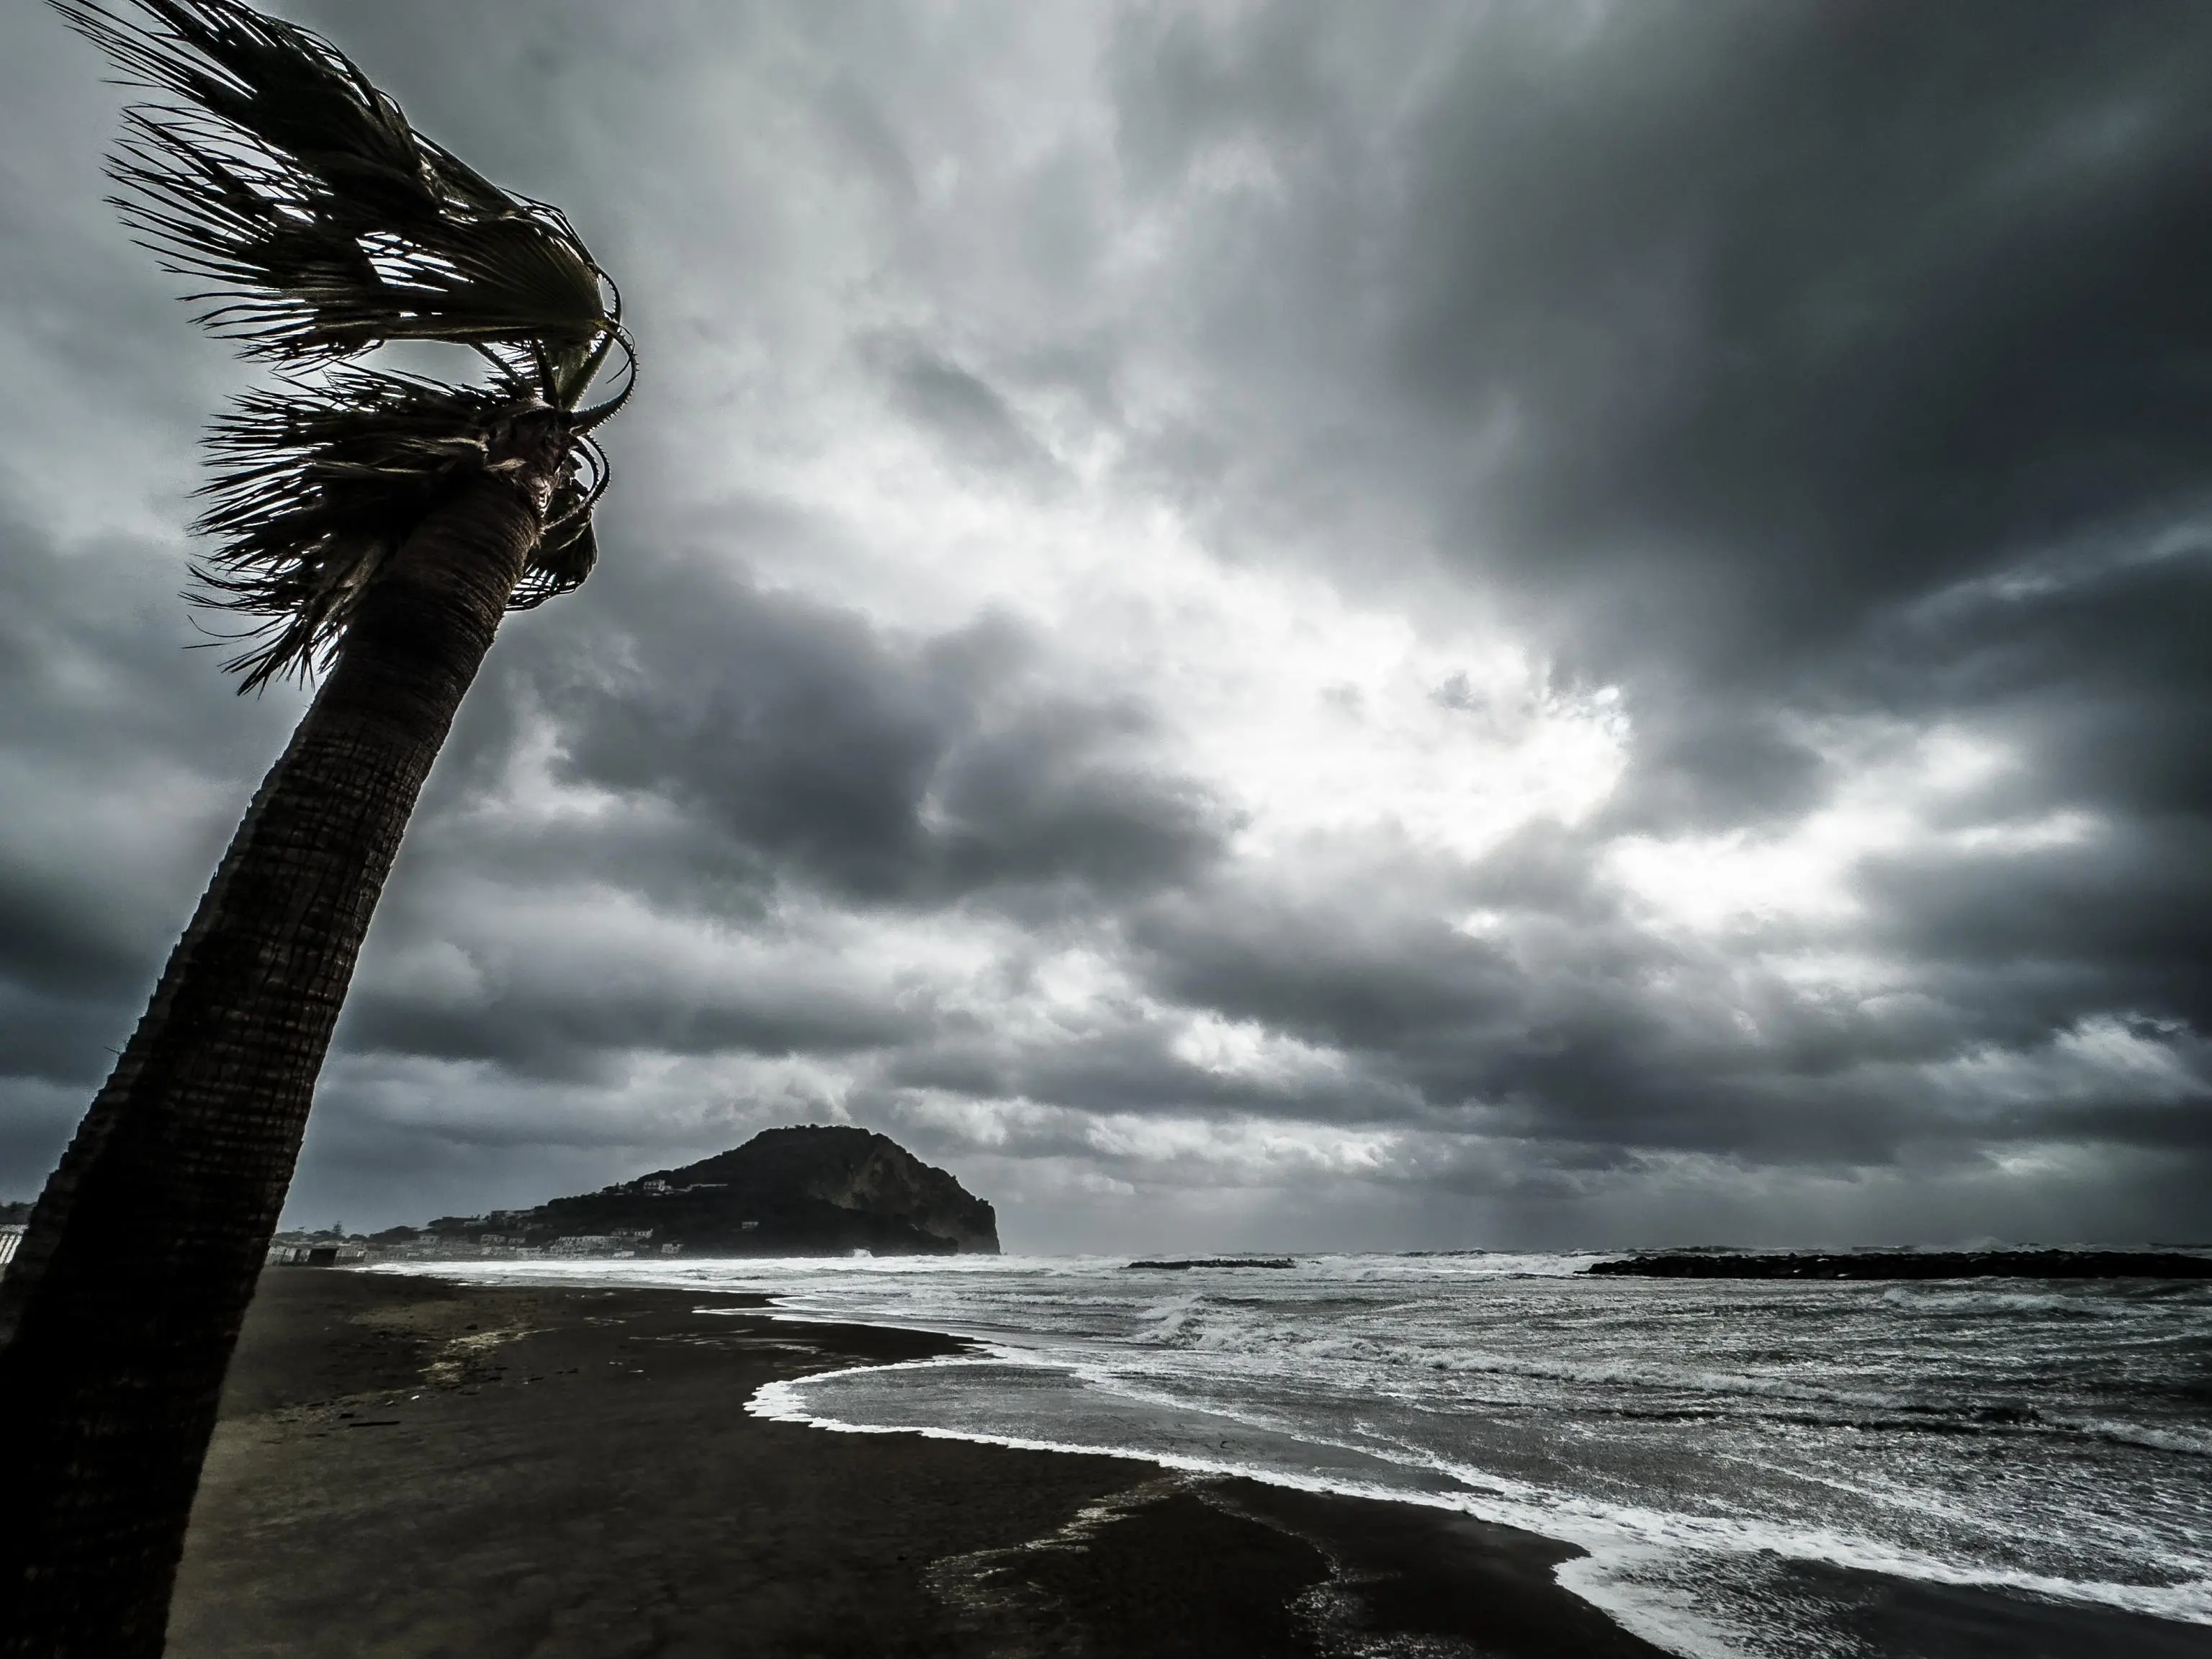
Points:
x=120 y=1310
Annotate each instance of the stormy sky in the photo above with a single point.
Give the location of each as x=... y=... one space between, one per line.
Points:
x=1251 y=625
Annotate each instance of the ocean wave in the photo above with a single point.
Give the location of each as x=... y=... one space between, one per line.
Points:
x=1947 y=1298
x=2167 y=1438
x=1644 y=1562
x=1188 y=1328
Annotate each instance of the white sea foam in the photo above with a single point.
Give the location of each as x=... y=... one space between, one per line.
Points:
x=2190 y=1443
x=1669 y=1616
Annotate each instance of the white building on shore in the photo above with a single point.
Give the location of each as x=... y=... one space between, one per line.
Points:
x=302 y=1253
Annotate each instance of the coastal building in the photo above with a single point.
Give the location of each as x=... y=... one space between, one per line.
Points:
x=623 y=1241
x=311 y=1253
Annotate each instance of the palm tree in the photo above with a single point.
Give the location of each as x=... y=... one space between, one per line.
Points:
x=373 y=528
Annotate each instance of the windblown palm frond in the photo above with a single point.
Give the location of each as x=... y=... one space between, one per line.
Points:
x=317 y=485
x=325 y=226
x=327 y=222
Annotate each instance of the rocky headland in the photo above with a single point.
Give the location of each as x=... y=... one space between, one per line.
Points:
x=807 y=1190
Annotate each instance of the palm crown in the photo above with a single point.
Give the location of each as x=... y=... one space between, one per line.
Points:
x=325 y=226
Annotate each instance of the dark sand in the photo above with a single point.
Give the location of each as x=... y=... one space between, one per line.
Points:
x=413 y=1469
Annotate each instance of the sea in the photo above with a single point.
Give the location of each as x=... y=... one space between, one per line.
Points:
x=1739 y=1459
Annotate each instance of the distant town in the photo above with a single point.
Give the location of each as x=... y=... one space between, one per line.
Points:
x=494 y=1235
x=500 y=1233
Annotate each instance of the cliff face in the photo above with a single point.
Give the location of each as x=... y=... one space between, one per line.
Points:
x=808 y=1190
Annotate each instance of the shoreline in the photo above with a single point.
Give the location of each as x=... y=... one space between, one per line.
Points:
x=555 y=1471
x=408 y=1465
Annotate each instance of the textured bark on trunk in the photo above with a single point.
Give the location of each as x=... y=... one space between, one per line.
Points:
x=122 y=1307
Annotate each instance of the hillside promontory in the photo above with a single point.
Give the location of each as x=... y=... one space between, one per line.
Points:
x=807 y=1190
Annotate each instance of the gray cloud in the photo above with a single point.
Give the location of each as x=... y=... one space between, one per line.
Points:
x=968 y=418
x=881 y=767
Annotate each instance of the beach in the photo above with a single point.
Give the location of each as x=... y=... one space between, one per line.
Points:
x=410 y=1466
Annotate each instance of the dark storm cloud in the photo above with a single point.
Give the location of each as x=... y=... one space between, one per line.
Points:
x=571 y=1029
x=1822 y=307
x=1736 y=340
x=1578 y=1033
x=755 y=745
x=886 y=769
x=1833 y=381
x=968 y=418
x=120 y=751
x=1721 y=332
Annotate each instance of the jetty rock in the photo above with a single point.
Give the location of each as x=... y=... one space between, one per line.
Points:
x=812 y=1189
x=1910 y=1264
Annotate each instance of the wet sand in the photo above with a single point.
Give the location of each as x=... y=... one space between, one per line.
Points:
x=413 y=1469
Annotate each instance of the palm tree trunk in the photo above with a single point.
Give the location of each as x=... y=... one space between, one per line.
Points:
x=122 y=1307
